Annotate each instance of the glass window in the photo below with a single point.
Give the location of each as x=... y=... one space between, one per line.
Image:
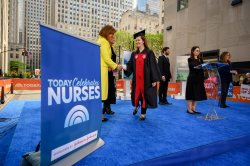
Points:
x=182 y=4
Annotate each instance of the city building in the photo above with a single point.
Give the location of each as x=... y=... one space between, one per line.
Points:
x=15 y=43
x=134 y=21
x=149 y=6
x=215 y=26
x=85 y=18
x=161 y=17
x=4 y=35
x=34 y=14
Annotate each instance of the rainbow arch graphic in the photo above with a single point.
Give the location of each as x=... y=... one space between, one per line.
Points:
x=78 y=114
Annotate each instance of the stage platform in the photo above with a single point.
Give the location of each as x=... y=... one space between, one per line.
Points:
x=168 y=136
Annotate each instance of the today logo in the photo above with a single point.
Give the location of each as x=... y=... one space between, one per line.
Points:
x=78 y=114
x=76 y=90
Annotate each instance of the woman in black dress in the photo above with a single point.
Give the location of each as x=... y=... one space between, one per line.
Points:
x=195 y=90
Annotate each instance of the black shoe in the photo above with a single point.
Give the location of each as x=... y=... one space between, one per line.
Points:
x=135 y=110
x=142 y=117
x=190 y=112
x=196 y=112
x=166 y=102
x=162 y=103
x=227 y=106
x=108 y=111
x=223 y=106
x=105 y=119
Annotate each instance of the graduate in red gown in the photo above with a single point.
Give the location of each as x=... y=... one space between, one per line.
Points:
x=146 y=74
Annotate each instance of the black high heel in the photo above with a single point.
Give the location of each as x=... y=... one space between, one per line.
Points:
x=105 y=119
x=196 y=112
x=190 y=112
x=136 y=110
x=108 y=111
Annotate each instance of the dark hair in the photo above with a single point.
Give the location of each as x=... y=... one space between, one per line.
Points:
x=192 y=51
x=164 y=49
x=223 y=55
x=107 y=30
x=145 y=41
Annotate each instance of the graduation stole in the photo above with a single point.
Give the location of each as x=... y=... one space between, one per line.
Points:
x=139 y=74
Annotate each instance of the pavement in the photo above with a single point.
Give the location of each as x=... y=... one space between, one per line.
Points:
x=21 y=95
x=27 y=95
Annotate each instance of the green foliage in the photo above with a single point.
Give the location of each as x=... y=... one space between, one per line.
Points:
x=155 y=42
x=16 y=70
x=125 y=40
x=17 y=66
x=15 y=74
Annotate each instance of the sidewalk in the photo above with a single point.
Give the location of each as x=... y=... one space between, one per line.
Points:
x=27 y=95
x=22 y=95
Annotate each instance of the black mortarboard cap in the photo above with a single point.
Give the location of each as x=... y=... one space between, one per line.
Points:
x=141 y=33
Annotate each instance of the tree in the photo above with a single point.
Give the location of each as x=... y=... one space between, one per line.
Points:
x=17 y=66
x=125 y=40
x=155 y=42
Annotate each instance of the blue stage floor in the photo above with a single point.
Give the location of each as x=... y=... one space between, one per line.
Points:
x=167 y=134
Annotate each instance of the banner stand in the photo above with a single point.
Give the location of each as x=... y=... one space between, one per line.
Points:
x=70 y=98
x=183 y=91
x=81 y=153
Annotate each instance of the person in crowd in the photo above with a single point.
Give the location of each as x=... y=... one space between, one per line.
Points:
x=164 y=66
x=146 y=74
x=225 y=77
x=241 y=79
x=106 y=39
x=212 y=80
x=247 y=79
x=195 y=90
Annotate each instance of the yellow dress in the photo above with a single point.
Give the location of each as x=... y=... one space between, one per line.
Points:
x=106 y=62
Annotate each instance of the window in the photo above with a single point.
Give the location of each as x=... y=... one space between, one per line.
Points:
x=182 y=4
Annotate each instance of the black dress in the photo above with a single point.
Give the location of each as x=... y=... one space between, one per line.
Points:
x=111 y=83
x=151 y=75
x=195 y=89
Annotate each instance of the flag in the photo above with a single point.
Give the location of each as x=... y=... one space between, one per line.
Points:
x=29 y=55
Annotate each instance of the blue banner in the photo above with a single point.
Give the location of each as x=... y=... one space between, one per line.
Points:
x=71 y=94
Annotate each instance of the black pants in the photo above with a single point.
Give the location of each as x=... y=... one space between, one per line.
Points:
x=163 y=89
x=224 y=91
x=143 y=110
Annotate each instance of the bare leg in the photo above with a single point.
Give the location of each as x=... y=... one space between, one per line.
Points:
x=194 y=103
x=189 y=106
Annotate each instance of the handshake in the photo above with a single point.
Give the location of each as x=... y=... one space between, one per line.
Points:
x=121 y=67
